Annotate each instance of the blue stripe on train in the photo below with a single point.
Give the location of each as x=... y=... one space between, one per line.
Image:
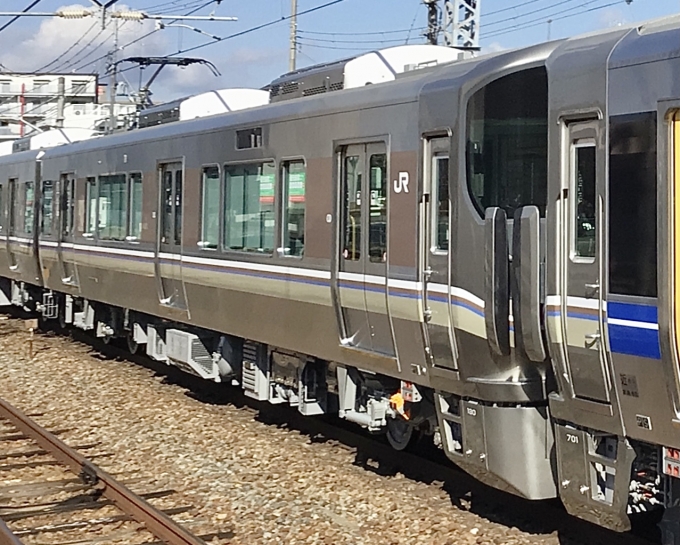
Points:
x=631 y=340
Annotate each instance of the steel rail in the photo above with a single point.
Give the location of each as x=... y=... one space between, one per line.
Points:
x=156 y=522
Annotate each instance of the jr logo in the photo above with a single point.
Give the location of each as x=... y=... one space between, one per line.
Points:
x=401 y=184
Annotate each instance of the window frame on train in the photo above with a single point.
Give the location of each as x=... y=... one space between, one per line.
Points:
x=47 y=207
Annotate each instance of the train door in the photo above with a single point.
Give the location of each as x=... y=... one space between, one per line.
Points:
x=362 y=263
x=169 y=245
x=435 y=248
x=582 y=232
x=67 y=199
x=12 y=214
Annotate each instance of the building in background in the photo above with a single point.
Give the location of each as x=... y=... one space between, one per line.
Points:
x=32 y=101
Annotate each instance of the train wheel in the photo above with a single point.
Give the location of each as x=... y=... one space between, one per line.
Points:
x=399 y=433
x=132 y=345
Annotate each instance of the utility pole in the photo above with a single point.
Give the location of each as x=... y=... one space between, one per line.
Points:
x=113 y=117
x=432 y=33
x=61 y=99
x=292 y=65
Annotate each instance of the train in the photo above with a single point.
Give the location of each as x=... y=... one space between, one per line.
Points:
x=481 y=250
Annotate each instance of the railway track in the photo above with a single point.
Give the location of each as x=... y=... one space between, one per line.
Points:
x=96 y=498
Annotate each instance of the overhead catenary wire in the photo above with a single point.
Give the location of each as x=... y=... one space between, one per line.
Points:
x=546 y=8
x=25 y=10
x=542 y=20
x=144 y=36
x=71 y=48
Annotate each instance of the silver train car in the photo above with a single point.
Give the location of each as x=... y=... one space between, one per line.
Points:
x=487 y=251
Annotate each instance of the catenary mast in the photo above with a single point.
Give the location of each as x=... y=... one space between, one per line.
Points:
x=458 y=20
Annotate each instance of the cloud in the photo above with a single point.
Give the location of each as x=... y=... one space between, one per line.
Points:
x=611 y=17
x=493 y=47
x=81 y=45
x=51 y=46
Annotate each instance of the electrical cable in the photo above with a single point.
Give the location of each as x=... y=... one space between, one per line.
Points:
x=16 y=18
x=71 y=48
x=542 y=21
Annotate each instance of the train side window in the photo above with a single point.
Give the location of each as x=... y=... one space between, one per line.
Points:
x=294 y=184
x=210 y=208
x=90 y=206
x=29 y=207
x=507 y=142
x=440 y=195
x=633 y=204
x=13 y=209
x=47 y=207
x=377 y=219
x=249 y=217
x=112 y=207
x=135 y=205
x=584 y=194
x=2 y=208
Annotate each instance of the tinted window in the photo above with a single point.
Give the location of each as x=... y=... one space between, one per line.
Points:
x=507 y=142
x=294 y=208
x=585 y=228
x=377 y=240
x=632 y=205
x=91 y=206
x=47 y=207
x=440 y=182
x=210 y=208
x=112 y=207
x=29 y=203
x=352 y=208
x=249 y=207
x=135 y=225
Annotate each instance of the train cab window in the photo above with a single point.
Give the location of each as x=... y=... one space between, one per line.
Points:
x=112 y=207
x=352 y=207
x=210 y=208
x=90 y=206
x=249 y=216
x=584 y=222
x=377 y=223
x=135 y=205
x=507 y=142
x=29 y=207
x=294 y=180
x=47 y=207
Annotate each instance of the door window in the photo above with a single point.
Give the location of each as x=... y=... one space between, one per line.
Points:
x=47 y=207
x=584 y=193
x=377 y=223
x=440 y=192
x=352 y=208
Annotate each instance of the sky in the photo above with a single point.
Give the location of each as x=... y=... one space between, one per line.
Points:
x=255 y=58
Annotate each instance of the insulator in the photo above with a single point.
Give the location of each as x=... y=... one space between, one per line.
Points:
x=74 y=13
x=129 y=15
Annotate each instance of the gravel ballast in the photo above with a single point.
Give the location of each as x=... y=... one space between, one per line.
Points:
x=266 y=483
